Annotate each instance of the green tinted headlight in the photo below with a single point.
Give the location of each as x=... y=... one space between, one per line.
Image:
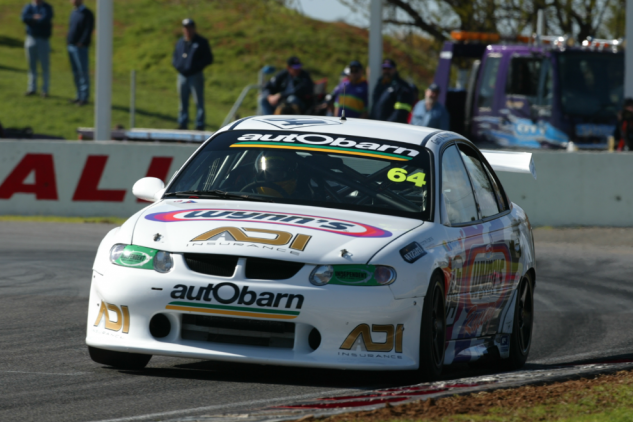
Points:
x=363 y=275
x=140 y=257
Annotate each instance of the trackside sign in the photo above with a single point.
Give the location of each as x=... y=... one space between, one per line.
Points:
x=80 y=178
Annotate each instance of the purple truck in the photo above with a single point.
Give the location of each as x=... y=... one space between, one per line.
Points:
x=532 y=96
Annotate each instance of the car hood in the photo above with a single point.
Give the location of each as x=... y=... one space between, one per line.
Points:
x=274 y=231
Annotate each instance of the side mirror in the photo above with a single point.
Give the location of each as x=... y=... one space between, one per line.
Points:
x=149 y=189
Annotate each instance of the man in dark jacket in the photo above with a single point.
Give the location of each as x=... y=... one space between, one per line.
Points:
x=623 y=133
x=82 y=22
x=37 y=16
x=392 y=97
x=191 y=55
x=291 y=86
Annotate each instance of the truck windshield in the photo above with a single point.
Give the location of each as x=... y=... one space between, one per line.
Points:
x=323 y=170
x=592 y=83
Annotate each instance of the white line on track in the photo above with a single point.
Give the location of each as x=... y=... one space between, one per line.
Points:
x=230 y=405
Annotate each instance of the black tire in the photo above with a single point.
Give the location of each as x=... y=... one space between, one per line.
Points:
x=119 y=360
x=521 y=338
x=433 y=331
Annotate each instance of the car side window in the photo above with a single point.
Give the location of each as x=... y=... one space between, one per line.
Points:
x=458 y=201
x=484 y=191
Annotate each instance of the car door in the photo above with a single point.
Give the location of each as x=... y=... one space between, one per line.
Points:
x=459 y=214
x=478 y=251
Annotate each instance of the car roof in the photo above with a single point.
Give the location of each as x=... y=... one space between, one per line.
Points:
x=333 y=125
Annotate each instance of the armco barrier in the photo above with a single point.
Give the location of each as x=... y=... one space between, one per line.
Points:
x=96 y=178
x=81 y=178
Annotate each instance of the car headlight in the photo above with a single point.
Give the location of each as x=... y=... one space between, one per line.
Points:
x=384 y=275
x=141 y=257
x=116 y=251
x=163 y=262
x=353 y=275
x=321 y=275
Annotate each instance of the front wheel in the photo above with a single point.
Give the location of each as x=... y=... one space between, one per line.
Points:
x=433 y=331
x=119 y=360
x=521 y=338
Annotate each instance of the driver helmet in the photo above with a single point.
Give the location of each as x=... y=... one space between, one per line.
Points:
x=278 y=168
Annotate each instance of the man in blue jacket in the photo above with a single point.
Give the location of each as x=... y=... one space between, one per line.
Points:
x=37 y=16
x=82 y=22
x=191 y=55
x=430 y=112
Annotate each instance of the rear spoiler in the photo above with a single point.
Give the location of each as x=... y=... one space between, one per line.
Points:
x=515 y=162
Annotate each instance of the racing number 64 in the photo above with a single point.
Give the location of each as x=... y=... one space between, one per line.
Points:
x=400 y=175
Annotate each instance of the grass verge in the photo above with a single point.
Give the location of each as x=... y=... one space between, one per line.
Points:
x=603 y=398
x=52 y=219
x=244 y=36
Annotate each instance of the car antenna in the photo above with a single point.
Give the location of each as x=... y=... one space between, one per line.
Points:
x=343 y=118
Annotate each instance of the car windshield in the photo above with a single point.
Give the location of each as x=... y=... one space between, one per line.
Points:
x=592 y=84
x=333 y=171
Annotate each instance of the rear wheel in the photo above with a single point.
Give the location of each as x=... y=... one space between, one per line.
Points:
x=433 y=330
x=120 y=360
x=521 y=338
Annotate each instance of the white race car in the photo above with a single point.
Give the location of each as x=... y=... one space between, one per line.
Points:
x=321 y=242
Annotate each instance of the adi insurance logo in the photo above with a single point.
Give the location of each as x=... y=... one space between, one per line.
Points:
x=344 y=227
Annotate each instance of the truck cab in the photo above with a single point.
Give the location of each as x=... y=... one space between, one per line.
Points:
x=532 y=95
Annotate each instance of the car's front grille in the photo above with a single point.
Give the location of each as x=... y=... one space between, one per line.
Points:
x=241 y=331
x=271 y=269
x=219 y=265
x=257 y=268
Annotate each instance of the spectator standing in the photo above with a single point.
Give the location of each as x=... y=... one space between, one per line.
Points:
x=392 y=97
x=623 y=133
x=38 y=16
x=352 y=92
x=82 y=22
x=191 y=55
x=430 y=112
x=291 y=86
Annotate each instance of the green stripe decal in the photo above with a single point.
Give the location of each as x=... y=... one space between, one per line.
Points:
x=234 y=308
x=334 y=149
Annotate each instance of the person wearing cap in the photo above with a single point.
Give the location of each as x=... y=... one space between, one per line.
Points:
x=82 y=22
x=37 y=17
x=290 y=86
x=191 y=55
x=430 y=112
x=351 y=93
x=392 y=97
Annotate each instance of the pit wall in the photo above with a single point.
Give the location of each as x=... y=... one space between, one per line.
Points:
x=91 y=179
x=575 y=189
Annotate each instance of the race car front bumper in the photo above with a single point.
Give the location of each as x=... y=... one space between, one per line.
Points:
x=285 y=322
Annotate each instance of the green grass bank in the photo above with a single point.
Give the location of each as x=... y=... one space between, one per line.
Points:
x=244 y=36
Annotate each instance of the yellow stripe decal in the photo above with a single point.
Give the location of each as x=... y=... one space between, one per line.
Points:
x=224 y=312
x=367 y=154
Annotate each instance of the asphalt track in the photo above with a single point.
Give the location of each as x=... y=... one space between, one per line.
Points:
x=584 y=298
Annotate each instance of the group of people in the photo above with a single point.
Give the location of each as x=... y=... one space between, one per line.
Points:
x=289 y=92
x=394 y=100
x=38 y=16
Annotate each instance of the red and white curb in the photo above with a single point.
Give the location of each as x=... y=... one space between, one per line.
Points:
x=374 y=399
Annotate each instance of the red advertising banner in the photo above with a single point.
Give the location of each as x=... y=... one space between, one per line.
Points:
x=81 y=178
